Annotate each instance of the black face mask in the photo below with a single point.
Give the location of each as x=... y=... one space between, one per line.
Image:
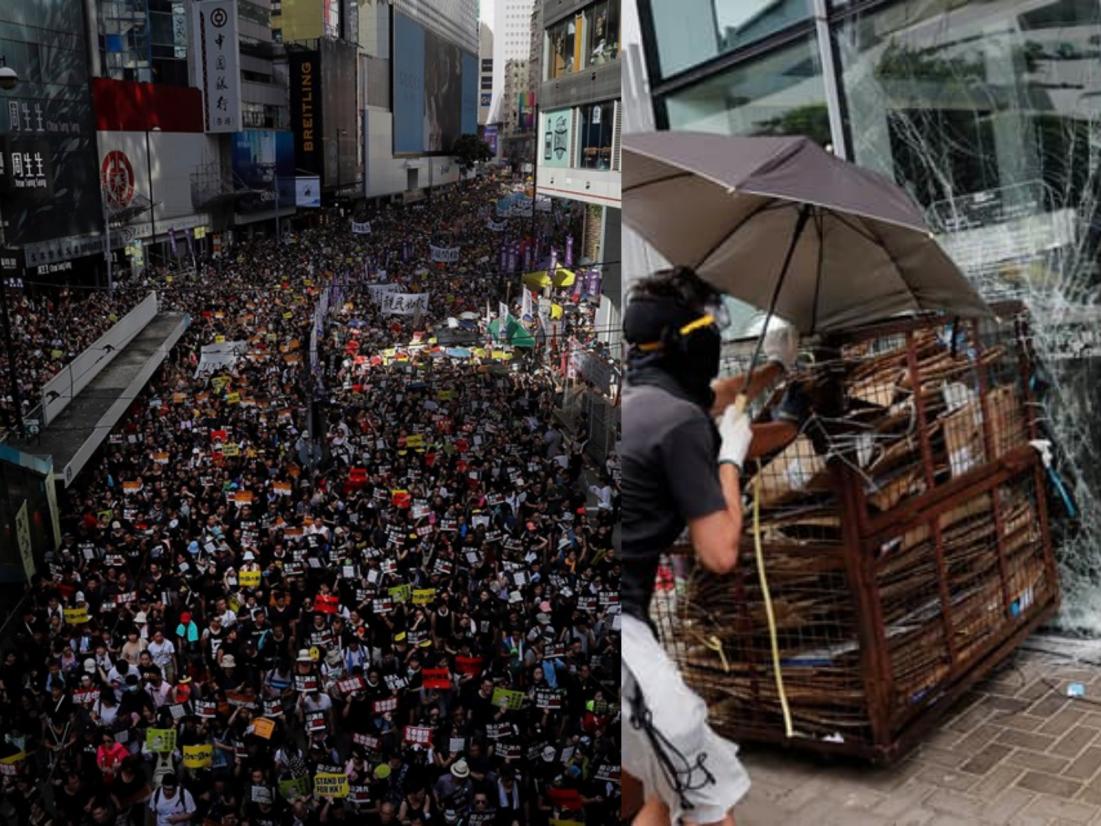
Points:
x=690 y=362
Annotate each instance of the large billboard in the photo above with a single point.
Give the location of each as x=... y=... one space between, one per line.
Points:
x=435 y=90
x=49 y=199
x=305 y=72
x=219 y=63
x=556 y=133
x=180 y=161
x=260 y=158
x=339 y=129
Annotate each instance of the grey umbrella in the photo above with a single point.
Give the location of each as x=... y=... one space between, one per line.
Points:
x=782 y=224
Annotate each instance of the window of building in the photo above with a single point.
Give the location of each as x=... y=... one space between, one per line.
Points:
x=779 y=93
x=690 y=32
x=564 y=44
x=602 y=28
x=595 y=138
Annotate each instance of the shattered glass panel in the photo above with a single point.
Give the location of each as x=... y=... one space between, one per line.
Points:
x=989 y=114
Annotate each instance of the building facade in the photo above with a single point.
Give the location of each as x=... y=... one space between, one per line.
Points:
x=577 y=144
x=511 y=41
x=485 y=73
x=987 y=113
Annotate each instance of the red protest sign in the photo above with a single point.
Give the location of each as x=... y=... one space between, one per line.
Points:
x=469 y=665
x=437 y=678
x=326 y=603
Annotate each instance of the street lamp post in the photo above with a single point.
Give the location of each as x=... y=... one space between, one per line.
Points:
x=149 y=172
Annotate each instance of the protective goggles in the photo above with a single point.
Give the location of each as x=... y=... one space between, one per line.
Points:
x=715 y=315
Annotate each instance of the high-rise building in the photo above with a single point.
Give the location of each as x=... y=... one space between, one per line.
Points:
x=485 y=72
x=511 y=41
x=577 y=147
x=420 y=95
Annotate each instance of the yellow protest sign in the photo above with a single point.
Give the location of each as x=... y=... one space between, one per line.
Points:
x=330 y=784
x=249 y=579
x=423 y=596
x=218 y=382
x=198 y=757
x=416 y=440
x=76 y=616
x=287 y=316
x=219 y=339
x=263 y=727
x=401 y=593
x=231 y=450
x=505 y=698
x=501 y=355
x=160 y=740
x=233 y=398
x=556 y=310
x=445 y=395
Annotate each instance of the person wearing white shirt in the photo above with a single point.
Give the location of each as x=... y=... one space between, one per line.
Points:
x=170 y=804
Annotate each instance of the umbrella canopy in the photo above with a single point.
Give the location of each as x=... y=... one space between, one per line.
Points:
x=538 y=279
x=514 y=333
x=850 y=246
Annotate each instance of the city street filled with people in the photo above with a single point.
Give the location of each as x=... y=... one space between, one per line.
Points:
x=343 y=560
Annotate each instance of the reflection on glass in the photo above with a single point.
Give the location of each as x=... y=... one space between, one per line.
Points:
x=602 y=25
x=562 y=38
x=778 y=94
x=690 y=32
x=597 y=123
x=989 y=113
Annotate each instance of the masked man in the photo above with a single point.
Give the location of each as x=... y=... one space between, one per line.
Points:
x=678 y=470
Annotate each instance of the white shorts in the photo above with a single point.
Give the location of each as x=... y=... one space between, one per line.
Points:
x=707 y=769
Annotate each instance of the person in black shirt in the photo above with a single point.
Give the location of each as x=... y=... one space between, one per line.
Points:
x=672 y=479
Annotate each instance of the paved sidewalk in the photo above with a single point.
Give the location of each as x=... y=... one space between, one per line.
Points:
x=1016 y=751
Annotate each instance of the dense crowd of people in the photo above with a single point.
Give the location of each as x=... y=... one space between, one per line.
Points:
x=48 y=330
x=363 y=583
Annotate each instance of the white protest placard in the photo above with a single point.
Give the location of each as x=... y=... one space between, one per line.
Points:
x=393 y=303
x=214 y=357
x=377 y=291
x=359 y=228
x=446 y=255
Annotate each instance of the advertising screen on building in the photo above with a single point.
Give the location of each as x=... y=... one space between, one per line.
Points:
x=49 y=199
x=305 y=80
x=435 y=90
x=260 y=158
x=179 y=161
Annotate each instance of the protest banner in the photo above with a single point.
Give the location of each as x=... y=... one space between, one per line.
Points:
x=608 y=772
x=496 y=226
x=508 y=699
x=199 y=756
x=393 y=303
x=249 y=579
x=443 y=255
x=436 y=678
x=417 y=735
x=423 y=596
x=160 y=740
x=377 y=291
x=384 y=705
x=76 y=616
x=294 y=788
x=330 y=784
x=326 y=603
x=243 y=699
x=220 y=356
x=316 y=721
x=206 y=710
x=263 y=727
x=359 y=228
x=548 y=699
x=368 y=741
x=469 y=665
x=401 y=593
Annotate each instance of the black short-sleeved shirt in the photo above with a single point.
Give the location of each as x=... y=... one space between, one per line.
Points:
x=670 y=476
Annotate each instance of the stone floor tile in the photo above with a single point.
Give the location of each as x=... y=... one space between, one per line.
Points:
x=1049 y=784
x=1053 y=807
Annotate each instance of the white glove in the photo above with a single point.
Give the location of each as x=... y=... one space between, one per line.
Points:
x=781 y=344
x=736 y=433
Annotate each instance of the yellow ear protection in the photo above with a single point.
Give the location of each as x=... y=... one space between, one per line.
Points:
x=676 y=337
